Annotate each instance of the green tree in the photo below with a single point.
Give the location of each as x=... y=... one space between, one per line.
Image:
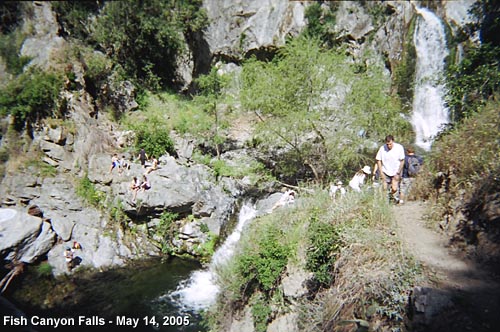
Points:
x=146 y=37
x=212 y=87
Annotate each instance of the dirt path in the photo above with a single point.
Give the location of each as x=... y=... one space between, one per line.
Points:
x=458 y=295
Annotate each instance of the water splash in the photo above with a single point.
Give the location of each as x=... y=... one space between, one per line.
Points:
x=429 y=109
x=201 y=289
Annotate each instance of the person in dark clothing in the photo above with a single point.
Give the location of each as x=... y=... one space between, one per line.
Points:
x=410 y=169
x=142 y=157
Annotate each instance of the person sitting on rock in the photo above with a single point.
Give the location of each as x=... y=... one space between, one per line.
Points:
x=135 y=186
x=287 y=198
x=145 y=185
x=68 y=255
x=124 y=165
x=153 y=167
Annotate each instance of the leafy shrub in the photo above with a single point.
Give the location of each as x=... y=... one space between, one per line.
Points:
x=31 y=97
x=153 y=136
x=324 y=246
x=73 y=16
x=86 y=190
x=261 y=312
x=264 y=264
x=473 y=81
x=44 y=269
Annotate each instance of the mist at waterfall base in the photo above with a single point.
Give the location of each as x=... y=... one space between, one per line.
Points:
x=201 y=289
x=430 y=113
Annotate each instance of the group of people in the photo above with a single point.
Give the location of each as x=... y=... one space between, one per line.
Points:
x=138 y=184
x=394 y=167
x=120 y=164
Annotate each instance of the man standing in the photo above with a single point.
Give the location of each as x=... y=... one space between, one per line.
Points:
x=390 y=160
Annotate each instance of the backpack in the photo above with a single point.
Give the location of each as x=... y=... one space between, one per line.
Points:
x=413 y=166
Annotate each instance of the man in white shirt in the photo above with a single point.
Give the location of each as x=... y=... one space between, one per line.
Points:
x=390 y=160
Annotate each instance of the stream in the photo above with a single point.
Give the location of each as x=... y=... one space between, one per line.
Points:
x=115 y=296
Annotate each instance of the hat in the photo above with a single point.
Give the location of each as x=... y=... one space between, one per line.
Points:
x=366 y=169
x=339 y=183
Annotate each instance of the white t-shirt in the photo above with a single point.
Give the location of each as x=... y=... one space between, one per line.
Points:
x=334 y=189
x=357 y=181
x=391 y=159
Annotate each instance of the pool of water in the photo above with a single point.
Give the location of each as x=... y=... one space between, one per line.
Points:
x=113 y=300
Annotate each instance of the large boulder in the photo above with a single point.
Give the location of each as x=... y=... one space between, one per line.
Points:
x=24 y=237
x=239 y=27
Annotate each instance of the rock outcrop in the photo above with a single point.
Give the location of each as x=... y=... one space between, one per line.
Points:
x=238 y=28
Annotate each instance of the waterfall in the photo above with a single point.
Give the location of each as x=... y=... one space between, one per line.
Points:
x=429 y=110
x=201 y=289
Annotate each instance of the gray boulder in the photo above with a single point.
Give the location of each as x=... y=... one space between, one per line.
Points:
x=238 y=27
x=23 y=237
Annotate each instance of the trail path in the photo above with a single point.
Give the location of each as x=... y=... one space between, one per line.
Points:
x=458 y=295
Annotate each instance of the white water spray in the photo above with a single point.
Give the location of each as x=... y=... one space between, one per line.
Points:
x=200 y=290
x=429 y=110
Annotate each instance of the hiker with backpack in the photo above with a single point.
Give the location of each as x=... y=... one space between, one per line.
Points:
x=411 y=167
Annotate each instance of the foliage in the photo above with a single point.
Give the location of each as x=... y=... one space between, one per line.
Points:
x=261 y=267
x=153 y=136
x=324 y=246
x=321 y=22
x=86 y=190
x=145 y=37
x=10 y=16
x=320 y=107
x=404 y=77
x=212 y=89
x=261 y=312
x=44 y=269
x=10 y=47
x=164 y=230
x=473 y=81
x=30 y=97
x=349 y=239
x=117 y=213
x=375 y=111
x=207 y=249
x=41 y=168
x=74 y=16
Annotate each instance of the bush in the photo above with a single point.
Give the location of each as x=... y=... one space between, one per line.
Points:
x=86 y=190
x=153 y=136
x=31 y=97
x=44 y=270
x=264 y=264
x=324 y=246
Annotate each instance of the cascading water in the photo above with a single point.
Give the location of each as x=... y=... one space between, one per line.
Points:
x=429 y=109
x=200 y=290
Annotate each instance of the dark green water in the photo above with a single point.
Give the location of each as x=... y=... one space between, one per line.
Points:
x=109 y=299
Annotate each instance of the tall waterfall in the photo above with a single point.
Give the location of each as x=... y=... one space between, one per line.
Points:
x=429 y=110
x=200 y=290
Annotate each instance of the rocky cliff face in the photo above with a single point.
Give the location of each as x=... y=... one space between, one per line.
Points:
x=239 y=28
